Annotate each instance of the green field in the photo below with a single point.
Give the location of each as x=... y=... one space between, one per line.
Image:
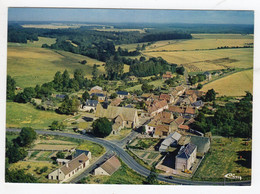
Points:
x=155 y=83
x=224 y=157
x=39 y=43
x=25 y=115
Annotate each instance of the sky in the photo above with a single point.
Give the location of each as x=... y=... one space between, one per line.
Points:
x=131 y=16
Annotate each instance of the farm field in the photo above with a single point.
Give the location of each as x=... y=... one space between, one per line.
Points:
x=201 y=41
x=51 y=26
x=226 y=156
x=206 y=60
x=232 y=85
x=25 y=115
x=200 y=53
x=39 y=65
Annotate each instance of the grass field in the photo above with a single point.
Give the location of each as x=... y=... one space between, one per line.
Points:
x=31 y=65
x=232 y=85
x=33 y=167
x=224 y=157
x=121 y=135
x=25 y=115
x=155 y=83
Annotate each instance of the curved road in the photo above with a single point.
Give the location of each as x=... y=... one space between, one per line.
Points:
x=132 y=163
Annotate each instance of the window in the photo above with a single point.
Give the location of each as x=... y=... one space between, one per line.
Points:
x=57 y=177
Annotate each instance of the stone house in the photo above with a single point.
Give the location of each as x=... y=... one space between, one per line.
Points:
x=157 y=107
x=108 y=167
x=186 y=157
x=69 y=169
x=90 y=104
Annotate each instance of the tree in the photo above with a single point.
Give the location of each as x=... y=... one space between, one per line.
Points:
x=26 y=95
x=94 y=97
x=114 y=68
x=58 y=81
x=10 y=90
x=19 y=176
x=102 y=127
x=60 y=155
x=113 y=96
x=147 y=88
x=199 y=86
x=85 y=96
x=152 y=177
x=83 y=62
x=54 y=125
x=69 y=106
x=27 y=136
x=14 y=153
x=210 y=95
x=43 y=169
x=95 y=72
x=79 y=77
x=65 y=79
x=180 y=70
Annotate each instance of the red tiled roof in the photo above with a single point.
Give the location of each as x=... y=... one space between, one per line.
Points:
x=176 y=109
x=166 y=97
x=163 y=114
x=184 y=127
x=161 y=128
x=157 y=105
x=179 y=121
x=190 y=110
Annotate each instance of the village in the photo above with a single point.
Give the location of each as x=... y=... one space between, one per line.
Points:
x=165 y=123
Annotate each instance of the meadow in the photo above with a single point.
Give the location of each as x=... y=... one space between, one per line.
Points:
x=232 y=85
x=25 y=115
x=226 y=156
x=29 y=64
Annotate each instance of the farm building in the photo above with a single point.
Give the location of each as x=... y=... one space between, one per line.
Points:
x=170 y=140
x=202 y=143
x=122 y=117
x=70 y=168
x=186 y=157
x=122 y=94
x=108 y=167
x=90 y=105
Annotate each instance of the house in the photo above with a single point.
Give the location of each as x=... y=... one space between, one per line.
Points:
x=101 y=96
x=190 y=112
x=69 y=169
x=184 y=128
x=198 y=93
x=61 y=161
x=157 y=107
x=150 y=126
x=167 y=97
x=170 y=140
x=198 y=104
x=162 y=131
x=90 y=105
x=149 y=97
x=122 y=94
x=79 y=152
x=123 y=117
x=115 y=102
x=178 y=91
x=177 y=122
x=60 y=96
x=96 y=88
x=108 y=167
x=164 y=115
x=186 y=157
x=177 y=110
x=208 y=75
x=202 y=143
x=167 y=75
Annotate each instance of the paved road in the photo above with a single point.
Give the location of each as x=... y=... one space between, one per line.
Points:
x=132 y=163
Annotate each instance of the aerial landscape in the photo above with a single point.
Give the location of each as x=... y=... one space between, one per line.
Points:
x=159 y=97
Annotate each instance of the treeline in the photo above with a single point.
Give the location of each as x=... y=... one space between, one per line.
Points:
x=19 y=34
x=165 y=36
x=153 y=66
x=17 y=150
x=231 y=120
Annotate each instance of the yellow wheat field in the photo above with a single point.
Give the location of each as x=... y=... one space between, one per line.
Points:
x=232 y=85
